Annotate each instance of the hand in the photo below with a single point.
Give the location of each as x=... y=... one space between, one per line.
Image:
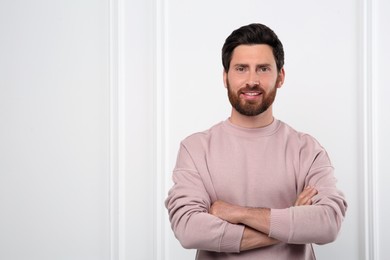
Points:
x=304 y=198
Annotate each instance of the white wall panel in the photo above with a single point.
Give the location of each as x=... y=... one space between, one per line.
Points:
x=381 y=64
x=139 y=168
x=54 y=133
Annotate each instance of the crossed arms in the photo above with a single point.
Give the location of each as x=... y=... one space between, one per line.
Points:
x=256 y=220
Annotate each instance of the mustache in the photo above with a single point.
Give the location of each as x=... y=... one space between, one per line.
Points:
x=251 y=89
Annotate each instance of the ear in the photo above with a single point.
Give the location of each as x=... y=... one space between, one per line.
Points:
x=281 y=77
x=225 y=78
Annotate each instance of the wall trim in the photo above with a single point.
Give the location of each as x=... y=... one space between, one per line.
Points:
x=369 y=133
x=160 y=119
x=117 y=131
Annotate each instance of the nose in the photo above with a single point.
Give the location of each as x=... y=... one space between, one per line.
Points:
x=253 y=84
x=253 y=80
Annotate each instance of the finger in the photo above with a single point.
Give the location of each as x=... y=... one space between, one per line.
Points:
x=309 y=193
x=305 y=196
x=302 y=197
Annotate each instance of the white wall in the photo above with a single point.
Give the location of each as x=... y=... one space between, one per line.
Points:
x=54 y=133
x=381 y=124
x=95 y=97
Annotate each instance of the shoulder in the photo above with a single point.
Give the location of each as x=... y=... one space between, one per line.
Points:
x=302 y=138
x=201 y=138
x=308 y=147
x=194 y=148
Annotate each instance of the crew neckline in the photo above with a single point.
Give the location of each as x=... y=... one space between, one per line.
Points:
x=251 y=132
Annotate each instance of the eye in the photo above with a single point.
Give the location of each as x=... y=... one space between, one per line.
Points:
x=240 y=68
x=264 y=69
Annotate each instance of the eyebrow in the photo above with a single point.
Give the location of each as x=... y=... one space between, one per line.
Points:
x=241 y=65
x=262 y=65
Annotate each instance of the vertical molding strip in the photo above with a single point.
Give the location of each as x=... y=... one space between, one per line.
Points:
x=160 y=117
x=117 y=131
x=369 y=135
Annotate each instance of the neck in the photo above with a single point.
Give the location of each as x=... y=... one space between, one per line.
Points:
x=264 y=119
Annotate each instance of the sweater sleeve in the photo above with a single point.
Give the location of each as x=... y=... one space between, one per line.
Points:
x=320 y=222
x=188 y=204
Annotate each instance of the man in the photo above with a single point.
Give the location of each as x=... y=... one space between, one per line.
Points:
x=251 y=187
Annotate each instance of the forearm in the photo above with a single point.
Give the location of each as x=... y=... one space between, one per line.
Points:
x=256 y=218
x=301 y=225
x=191 y=222
x=318 y=223
x=252 y=239
x=290 y=225
x=203 y=231
x=260 y=218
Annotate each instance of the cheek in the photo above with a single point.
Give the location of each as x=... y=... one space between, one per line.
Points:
x=236 y=82
x=271 y=82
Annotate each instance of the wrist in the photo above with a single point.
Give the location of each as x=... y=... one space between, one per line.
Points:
x=257 y=218
x=238 y=214
x=254 y=239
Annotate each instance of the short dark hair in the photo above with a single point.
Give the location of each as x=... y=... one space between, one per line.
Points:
x=254 y=33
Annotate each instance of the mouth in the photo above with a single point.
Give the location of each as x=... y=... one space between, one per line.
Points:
x=251 y=95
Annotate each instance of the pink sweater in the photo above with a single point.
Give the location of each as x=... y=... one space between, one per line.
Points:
x=265 y=167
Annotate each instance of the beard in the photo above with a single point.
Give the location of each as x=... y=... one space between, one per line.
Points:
x=248 y=107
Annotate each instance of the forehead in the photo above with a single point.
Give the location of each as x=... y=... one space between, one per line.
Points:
x=256 y=53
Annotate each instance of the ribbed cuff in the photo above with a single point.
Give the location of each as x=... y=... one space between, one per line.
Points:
x=280 y=224
x=231 y=239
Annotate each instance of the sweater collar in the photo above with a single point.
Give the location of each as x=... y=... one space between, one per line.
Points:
x=251 y=132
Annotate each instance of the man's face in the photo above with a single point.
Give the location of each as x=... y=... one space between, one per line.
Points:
x=252 y=79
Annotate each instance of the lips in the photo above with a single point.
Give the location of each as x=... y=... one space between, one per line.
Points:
x=252 y=93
